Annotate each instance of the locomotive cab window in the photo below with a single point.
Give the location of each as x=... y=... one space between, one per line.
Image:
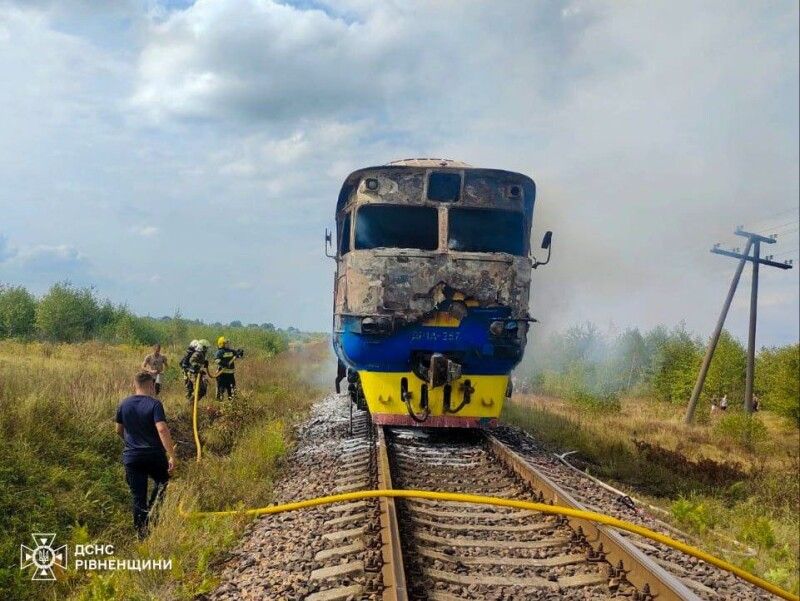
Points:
x=486 y=230
x=344 y=239
x=395 y=226
x=444 y=186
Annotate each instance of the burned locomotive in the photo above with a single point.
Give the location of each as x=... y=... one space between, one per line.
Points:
x=433 y=272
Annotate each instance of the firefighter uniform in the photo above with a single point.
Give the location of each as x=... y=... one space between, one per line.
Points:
x=194 y=362
x=225 y=358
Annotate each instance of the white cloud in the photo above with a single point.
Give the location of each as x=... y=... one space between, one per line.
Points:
x=39 y=266
x=650 y=129
x=146 y=231
x=254 y=59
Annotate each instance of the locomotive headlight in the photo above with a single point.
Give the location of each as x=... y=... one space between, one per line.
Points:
x=376 y=325
x=371 y=184
x=507 y=329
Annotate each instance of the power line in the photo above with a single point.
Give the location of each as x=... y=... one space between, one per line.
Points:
x=786 y=252
x=772 y=229
x=781 y=213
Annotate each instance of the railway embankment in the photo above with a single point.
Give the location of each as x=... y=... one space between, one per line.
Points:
x=729 y=483
x=447 y=550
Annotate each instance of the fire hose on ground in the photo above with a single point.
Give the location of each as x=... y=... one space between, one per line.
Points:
x=483 y=500
x=513 y=503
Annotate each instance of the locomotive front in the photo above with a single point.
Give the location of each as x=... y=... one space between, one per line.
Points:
x=431 y=290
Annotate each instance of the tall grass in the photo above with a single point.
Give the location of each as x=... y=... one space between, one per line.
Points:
x=60 y=467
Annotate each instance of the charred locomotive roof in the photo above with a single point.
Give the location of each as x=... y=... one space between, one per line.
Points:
x=428 y=162
x=405 y=182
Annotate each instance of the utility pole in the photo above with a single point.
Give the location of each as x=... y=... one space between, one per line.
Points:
x=753 y=243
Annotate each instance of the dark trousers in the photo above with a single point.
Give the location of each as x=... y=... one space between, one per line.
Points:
x=341 y=373
x=226 y=384
x=137 y=473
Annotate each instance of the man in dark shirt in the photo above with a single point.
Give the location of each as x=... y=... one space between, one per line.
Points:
x=149 y=451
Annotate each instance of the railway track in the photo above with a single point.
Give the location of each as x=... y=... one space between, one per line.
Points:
x=419 y=549
x=445 y=551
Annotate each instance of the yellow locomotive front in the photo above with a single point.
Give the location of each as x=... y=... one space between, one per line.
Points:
x=431 y=289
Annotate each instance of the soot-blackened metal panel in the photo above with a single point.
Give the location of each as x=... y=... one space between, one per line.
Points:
x=412 y=286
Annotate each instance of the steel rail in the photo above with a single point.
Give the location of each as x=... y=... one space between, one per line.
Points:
x=639 y=569
x=394 y=574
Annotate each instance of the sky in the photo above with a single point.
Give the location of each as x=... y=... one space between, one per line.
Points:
x=188 y=155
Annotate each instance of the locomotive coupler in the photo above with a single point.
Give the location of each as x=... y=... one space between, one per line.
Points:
x=405 y=396
x=442 y=370
x=467 y=389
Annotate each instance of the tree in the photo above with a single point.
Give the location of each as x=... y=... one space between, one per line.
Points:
x=17 y=313
x=778 y=380
x=726 y=373
x=67 y=314
x=236 y=324
x=675 y=364
x=179 y=330
x=628 y=359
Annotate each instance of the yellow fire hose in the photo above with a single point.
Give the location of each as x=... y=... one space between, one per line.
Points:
x=501 y=502
x=483 y=500
x=198 y=448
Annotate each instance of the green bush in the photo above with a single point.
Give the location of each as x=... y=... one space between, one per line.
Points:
x=674 y=367
x=778 y=380
x=695 y=513
x=740 y=428
x=67 y=314
x=597 y=401
x=17 y=312
x=126 y=328
x=726 y=374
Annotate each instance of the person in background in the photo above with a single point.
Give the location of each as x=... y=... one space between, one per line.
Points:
x=225 y=359
x=149 y=451
x=714 y=406
x=195 y=363
x=723 y=404
x=155 y=363
x=341 y=373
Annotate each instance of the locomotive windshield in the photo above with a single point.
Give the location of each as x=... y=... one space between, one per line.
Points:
x=344 y=240
x=395 y=226
x=486 y=230
x=444 y=187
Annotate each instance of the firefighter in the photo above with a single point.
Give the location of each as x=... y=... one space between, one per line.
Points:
x=194 y=363
x=225 y=359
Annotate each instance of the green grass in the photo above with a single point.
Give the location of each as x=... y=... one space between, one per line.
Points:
x=60 y=467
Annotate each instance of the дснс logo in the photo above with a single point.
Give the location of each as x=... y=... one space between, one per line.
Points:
x=43 y=556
